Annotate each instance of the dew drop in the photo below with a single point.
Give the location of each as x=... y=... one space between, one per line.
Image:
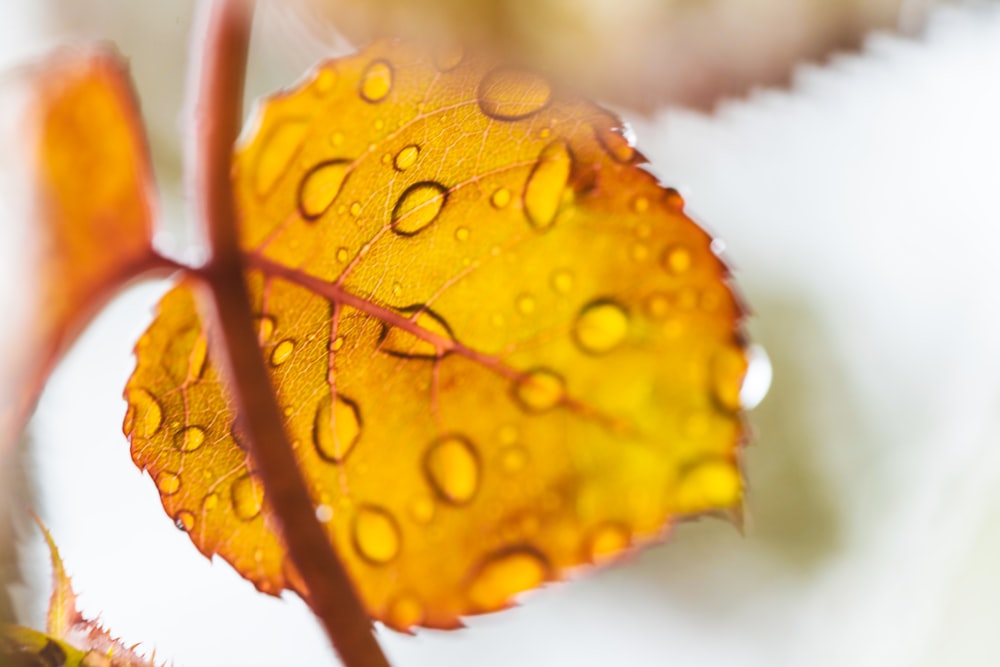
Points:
x=543 y=192
x=513 y=459
x=640 y=251
x=540 y=390
x=145 y=416
x=657 y=305
x=338 y=343
x=526 y=304
x=640 y=204
x=418 y=206
x=511 y=94
x=265 y=328
x=320 y=187
x=422 y=510
x=355 y=209
x=184 y=520
x=376 y=535
x=500 y=198
x=336 y=427
x=407 y=157
x=405 y=611
x=758 y=378
x=615 y=143
x=379 y=124
x=606 y=541
x=247 y=497
x=601 y=326
x=376 y=81
x=452 y=468
x=324 y=513
x=676 y=260
x=462 y=234
x=168 y=483
x=282 y=351
x=342 y=255
x=190 y=438
x=276 y=154
x=504 y=575
x=324 y=81
x=210 y=503
x=562 y=281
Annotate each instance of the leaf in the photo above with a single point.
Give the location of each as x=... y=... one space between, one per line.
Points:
x=69 y=639
x=501 y=348
x=91 y=213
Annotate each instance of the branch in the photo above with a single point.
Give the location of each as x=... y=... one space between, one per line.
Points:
x=218 y=65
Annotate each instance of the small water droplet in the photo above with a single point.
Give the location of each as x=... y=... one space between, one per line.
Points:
x=190 y=438
x=336 y=427
x=640 y=251
x=657 y=305
x=616 y=143
x=758 y=378
x=397 y=288
x=676 y=260
x=247 y=497
x=526 y=304
x=508 y=434
x=282 y=351
x=686 y=299
x=500 y=198
x=504 y=575
x=513 y=459
x=511 y=94
x=376 y=81
x=540 y=390
x=405 y=611
x=407 y=157
x=288 y=411
x=376 y=535
x=356 y=209
x=601 y=326
x=265 y=328
x=278 y=150
x=462 y=234
x=320 y=186
x=324 y=81
x=210 y=503
x=145 y=416
x=184 y=520
x=418 y=206
x=562 y=281
x=543 y=193
x=606 y=541
x=338 y=343
x=168 y=483
x=452 y=468
x=422 y=510
x=640 y=204
x=342 y=255
x=324 y=513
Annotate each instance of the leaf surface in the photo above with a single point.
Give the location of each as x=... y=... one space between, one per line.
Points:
x=91 y=214
x=502 y=349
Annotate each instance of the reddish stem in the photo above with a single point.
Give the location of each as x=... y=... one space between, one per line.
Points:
x=218 y=64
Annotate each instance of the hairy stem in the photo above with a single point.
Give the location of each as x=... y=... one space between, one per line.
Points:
x=218 y=64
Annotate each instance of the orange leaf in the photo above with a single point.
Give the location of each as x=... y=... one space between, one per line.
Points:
x=92 y=214
x=501 y=348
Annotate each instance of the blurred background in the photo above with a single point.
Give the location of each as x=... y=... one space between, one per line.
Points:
x=849 y=155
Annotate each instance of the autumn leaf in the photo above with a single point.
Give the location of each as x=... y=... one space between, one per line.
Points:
x=501 y=348
x=90 y=214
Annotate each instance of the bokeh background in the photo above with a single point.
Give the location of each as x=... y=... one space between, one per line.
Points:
x=857 y=193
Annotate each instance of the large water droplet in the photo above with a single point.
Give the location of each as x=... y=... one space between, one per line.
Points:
x=758 y=378
x=418 y=207
x=336 y=428
x=403 y=343
x=168 y=483
x=601 y=326
x=282 y=351
x=145 y=416
x=376 y=535
x=277 y=151
x=376 y=81
x=248 y=497
x=405 y=611
x=511 y=94
x=320 y=187
x=407 y=157
x=184 y=520
x=540 y=390
x=452 y=468
x=543 y=193
x=190 y=438
x=504 y=575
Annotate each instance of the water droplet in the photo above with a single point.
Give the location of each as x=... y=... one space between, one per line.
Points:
x=526 y=304
x=336 y=427
x=544 y=191
x=418 y=207
x=397 y=288
x=405 y=611
x=640 y=251
x=324 y=513
x=601 y=326
x=324 y=81
x=184 y=520
x=674 y=199
x=407 y=157
x=376 y=535
x=511 y=94
x=758 y=378
x=513 y=458
x=356 y=209
x=376 y=81
x=508 y=434
x=422 y=510
x=462 y=234
x=168 y=483
x=615 y=143
x=711 y=485
x=342 y=255
x=676 y=260
x=265 y=328
x=562 y=281
x=540 y=390
x=500 y=198
x=378 y=125
x=338 y=343
x=320 y=187
x=607 y=540
x=190 y=438
x=336 y=139
x=145 y=416
x=640 y=204
x=277 y=151
x=504 y=575
x=452 y=468
x=210 y=502
x=657 y=305
x=248 y=497
x=282 y=351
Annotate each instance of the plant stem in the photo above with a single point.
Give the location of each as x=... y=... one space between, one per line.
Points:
x=219 y=55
